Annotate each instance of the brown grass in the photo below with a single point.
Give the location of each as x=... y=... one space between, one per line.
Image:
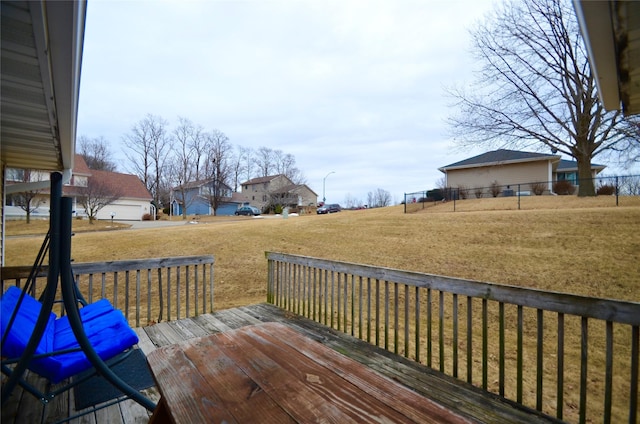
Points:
x=41 y=226
x=566 y=244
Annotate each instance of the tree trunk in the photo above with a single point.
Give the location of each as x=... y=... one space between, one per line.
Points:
x=585 y=179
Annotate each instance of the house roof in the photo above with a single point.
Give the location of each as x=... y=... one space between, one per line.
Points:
x=294 y=187
x=499 y=157
x=571 y=165
x=197 y=184
x=261 y=180
x=42 y=43
x=130 y=185
x=611 y=31
x=80 y=166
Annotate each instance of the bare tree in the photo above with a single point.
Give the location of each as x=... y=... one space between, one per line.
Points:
x=536 y=88
x=149 y=147
x=198 y=145
x=97 y=194
x=379 y=198
x=219 y=168
x=351 y=202
x=96 y=153
x=238 y=166
x=264 y=161
x=28 y=200
x=285 y=164
x=629 y=185
x=249 y=161
x=183 y=164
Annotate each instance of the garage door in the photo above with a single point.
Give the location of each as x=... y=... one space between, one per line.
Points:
x=123 y=212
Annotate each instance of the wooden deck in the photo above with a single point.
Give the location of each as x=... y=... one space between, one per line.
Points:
x=464 y=399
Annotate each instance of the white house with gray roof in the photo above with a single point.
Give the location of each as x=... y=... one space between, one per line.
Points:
x=512 y=167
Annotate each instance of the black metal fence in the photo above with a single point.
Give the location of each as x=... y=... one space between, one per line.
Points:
x=612 y=186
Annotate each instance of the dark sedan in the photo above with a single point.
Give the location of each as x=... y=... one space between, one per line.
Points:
x=248 y=210
x=329 y=209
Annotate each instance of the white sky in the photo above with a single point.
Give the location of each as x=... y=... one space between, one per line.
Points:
x=355 y=87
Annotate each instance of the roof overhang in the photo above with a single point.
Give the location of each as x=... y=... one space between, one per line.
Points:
x=41 y=52
x=611 y=30
x=548 y=158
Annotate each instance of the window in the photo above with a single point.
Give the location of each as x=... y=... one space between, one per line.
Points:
x=13 y=174
x=568 y=176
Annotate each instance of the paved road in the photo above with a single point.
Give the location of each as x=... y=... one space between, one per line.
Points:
x=135 y=225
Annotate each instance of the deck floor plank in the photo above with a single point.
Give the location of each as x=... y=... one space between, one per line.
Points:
x=188 y=329
x=211 y=323
x=459 y=396
x=144 y=342
x=133 y=412
x=162 y=334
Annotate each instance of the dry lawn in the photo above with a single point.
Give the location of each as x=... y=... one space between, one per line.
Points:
x=568 y=244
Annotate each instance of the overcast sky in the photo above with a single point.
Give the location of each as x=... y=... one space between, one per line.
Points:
x=354 y=87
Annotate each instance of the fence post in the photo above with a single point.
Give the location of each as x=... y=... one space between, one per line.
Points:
x=617 y=190
x=518 y=196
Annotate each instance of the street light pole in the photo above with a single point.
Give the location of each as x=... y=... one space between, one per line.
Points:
x=324 y=199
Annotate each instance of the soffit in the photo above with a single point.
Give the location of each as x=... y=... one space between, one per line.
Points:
x=41 y=51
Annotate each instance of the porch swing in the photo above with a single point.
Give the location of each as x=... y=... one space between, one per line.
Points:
x=60 y=348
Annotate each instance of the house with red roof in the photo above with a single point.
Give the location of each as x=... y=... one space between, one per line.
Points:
x=133 y=200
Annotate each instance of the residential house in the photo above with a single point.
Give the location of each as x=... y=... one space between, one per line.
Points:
x=511 y=168
x=196 y=197
x=133 y=203
x=267 y=192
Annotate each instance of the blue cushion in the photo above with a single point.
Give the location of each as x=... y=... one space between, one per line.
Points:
x=105 y=327
x=24 y=323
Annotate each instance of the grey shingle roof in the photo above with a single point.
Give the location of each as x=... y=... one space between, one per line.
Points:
x=571 y=165
x=260 y=180
x=498 y=157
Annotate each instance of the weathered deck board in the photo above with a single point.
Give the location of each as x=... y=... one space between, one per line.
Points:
x=461 y=397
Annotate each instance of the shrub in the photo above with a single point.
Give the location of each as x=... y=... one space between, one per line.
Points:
x=495 y=189
x=564 y=187
x=435 y=195
x=478 y=192
x=606 y=190
x=538 y=188
x=146 y=217
x=463 y=192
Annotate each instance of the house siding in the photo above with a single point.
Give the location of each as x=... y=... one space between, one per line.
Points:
x=505 y=174
x=278 y=189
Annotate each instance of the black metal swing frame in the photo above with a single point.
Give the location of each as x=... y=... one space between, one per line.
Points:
x=58 y=244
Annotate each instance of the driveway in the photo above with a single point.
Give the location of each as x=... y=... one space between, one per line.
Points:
x=136 y=225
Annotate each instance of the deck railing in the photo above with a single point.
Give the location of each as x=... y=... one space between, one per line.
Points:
x=572 y=357
x=146 y=290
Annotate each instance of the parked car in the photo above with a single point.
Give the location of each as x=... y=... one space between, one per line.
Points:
x=329 y=208
x=248 y=210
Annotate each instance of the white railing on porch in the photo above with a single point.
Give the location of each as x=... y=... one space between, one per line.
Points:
x=146 y=290
x=572 y=357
